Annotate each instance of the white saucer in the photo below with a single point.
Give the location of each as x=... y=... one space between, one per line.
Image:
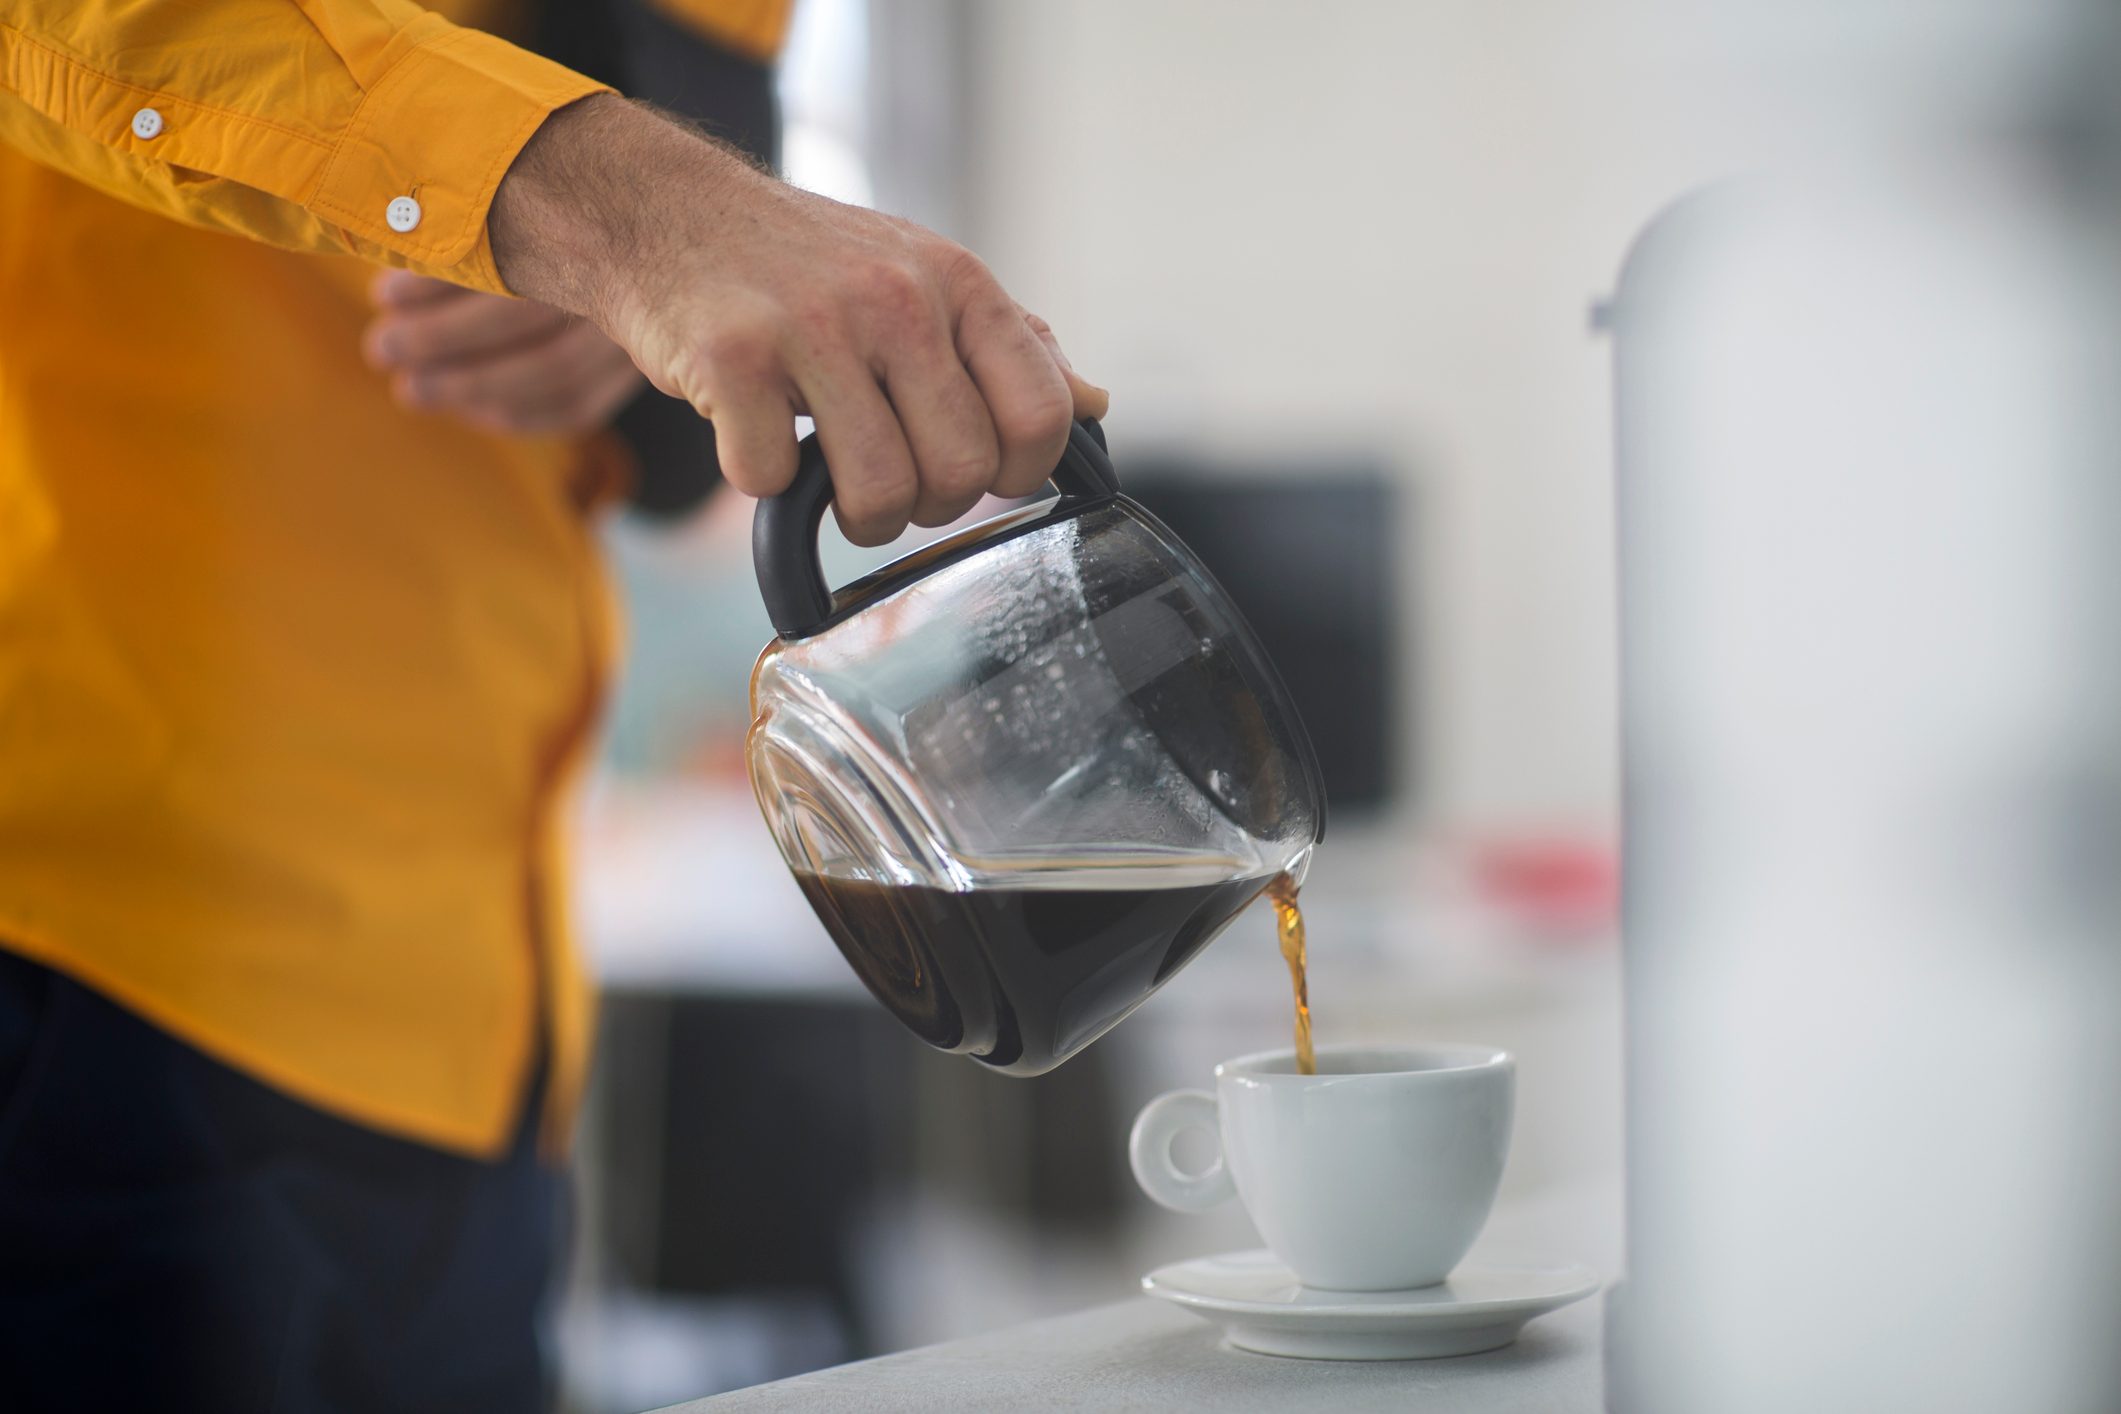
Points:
x=1261 y=1306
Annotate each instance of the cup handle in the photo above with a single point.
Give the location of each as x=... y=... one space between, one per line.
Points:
x=1149 y=1151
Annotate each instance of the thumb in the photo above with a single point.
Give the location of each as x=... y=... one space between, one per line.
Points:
x=401 y=289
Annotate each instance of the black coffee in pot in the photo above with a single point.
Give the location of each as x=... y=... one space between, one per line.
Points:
x=1021 y=978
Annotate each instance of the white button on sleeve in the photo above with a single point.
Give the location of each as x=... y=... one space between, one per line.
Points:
x=403 y=214
x=147 y=124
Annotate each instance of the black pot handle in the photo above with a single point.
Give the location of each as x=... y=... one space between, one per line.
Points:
x=784 y=528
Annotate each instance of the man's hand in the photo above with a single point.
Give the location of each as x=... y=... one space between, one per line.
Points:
x=756 y=302
x=511 y=366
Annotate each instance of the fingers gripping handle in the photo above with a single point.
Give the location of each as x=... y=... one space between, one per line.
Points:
x=784 y=528
x=1162 y=1120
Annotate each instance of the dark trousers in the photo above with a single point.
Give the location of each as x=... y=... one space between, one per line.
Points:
x=177 y=1236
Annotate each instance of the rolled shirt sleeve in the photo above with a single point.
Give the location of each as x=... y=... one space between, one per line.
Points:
x=370 y=127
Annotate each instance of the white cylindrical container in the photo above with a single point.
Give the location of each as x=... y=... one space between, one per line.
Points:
x=1869 y=486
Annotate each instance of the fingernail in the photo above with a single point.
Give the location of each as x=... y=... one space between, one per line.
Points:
x=415 y=390
x=385 y=347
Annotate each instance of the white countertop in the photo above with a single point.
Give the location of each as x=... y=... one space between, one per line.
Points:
x=1141 y=1354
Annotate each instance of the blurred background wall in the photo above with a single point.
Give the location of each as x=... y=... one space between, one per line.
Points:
x=1354 y=231
x=1284 y=234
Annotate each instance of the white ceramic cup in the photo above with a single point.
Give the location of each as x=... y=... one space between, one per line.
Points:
x=1375 y=1174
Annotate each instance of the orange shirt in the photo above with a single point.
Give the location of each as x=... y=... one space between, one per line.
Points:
x=290 y=679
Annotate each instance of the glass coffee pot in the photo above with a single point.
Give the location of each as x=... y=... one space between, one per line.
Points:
x=1026 y=773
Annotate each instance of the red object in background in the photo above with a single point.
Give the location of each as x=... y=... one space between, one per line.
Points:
x=1570 y=886
x=718 y=756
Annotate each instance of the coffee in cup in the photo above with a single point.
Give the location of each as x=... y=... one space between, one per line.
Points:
x=1374 y=1174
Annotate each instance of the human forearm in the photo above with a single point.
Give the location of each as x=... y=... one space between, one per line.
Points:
x=568 y=222
x=755 y=301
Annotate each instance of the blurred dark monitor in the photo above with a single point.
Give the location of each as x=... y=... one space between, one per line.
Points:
x=1307 y=553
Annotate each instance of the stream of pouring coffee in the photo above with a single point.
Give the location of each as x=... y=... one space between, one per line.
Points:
x=1289 y=924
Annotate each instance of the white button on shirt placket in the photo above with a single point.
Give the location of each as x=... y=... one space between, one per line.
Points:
x=147 y=125
x=403 y=214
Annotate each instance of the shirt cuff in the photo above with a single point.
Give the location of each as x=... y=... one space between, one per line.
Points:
x=441 y=127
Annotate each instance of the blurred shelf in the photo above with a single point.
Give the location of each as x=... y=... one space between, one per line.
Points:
x=681 y=890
